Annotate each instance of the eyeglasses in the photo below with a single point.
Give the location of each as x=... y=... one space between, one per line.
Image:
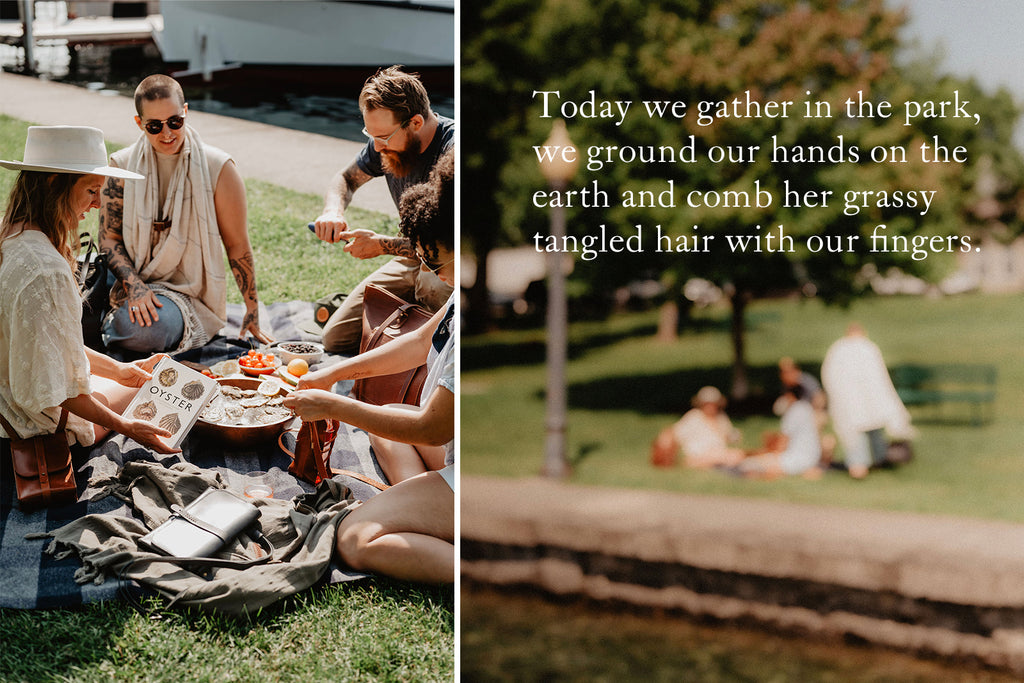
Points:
x=153 y=126
x=430 y=265
x=384 y=140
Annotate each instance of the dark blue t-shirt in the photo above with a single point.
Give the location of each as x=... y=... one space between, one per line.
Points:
x=369 y=161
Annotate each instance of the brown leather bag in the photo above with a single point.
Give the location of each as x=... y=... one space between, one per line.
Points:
x=43 y=474
x=664 y=449
x=385 y=318
x=311 y=460
x=313 y=450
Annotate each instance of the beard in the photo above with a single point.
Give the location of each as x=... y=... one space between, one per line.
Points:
x=401 y=163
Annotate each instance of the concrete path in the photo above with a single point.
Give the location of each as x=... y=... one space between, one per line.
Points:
x=305 y=162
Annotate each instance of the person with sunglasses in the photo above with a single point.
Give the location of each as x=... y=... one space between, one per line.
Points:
x=405 y=140
x=406 y=531
x=162 y=237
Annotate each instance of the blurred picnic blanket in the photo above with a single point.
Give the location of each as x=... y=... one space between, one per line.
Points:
x=30 y=579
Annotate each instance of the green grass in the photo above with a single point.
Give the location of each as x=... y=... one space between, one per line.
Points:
x=378 y=631
x=374 y=630
x=624 y=386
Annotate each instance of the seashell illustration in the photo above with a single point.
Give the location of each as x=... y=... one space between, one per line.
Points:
x=170 y=422
x=145 y=411
x=192 y=390
x=168 y=377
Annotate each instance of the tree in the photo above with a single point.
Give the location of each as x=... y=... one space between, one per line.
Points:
x=834 y=60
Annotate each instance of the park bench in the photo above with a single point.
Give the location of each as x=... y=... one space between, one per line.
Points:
x=973 y=385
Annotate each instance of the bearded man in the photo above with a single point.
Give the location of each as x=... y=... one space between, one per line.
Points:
x=405 y=141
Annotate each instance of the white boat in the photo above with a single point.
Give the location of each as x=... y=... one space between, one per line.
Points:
x=209 y=35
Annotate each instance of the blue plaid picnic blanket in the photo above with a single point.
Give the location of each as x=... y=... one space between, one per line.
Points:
x=30 y=579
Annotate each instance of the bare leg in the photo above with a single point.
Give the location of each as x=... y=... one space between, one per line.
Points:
x=401 y=461
x=111 y=394
x=407 y=532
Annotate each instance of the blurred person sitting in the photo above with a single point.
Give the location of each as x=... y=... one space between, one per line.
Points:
x=45 y=367
x=863 y=403
x=408 y=530
x=704 y=434
x=792 y=376
x=796 y=449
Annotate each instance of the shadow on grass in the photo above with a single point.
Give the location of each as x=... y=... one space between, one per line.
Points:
x=53 y=644
x=671 y=393
x=488 y=351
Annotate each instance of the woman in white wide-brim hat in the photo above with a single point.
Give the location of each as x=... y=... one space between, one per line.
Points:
x=44 y=364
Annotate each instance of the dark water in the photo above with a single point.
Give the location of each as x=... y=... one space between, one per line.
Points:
x=523 y=637
x=319 y=100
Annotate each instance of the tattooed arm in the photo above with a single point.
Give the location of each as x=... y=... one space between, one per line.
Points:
x=141 y=302
x=331 y=222
x=368 y=244
x=229 y=201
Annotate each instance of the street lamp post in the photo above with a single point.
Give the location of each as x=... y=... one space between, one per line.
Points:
x=558 y=171
x=28 y=38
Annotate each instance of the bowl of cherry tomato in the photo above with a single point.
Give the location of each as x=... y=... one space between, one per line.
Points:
x=257 y=363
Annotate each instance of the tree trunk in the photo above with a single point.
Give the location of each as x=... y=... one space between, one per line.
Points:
x=477 y=317
x=740 y=383
x=668 y=321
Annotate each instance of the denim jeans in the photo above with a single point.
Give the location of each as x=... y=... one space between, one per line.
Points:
x=866 y=448
x=163 y=335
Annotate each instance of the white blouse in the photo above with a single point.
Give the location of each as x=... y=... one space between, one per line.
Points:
x=441 y=365
x=42 y=355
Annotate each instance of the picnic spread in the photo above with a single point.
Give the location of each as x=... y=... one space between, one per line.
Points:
x=42 y=551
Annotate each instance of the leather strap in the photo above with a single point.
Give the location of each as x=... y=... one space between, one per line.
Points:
x=379 y=485
x=262 y=540
x=397 y=316
x=11 y=434
x=179 y=511
x=42 y=468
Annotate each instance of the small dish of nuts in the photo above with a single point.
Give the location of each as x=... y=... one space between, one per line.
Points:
x=311 y=352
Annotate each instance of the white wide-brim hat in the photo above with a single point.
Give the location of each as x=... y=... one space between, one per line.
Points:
x=67 y=149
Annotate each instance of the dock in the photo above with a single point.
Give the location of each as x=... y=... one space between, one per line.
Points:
x=85 y=30
x=47 y=24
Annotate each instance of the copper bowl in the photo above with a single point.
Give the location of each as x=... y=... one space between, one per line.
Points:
x=242 y=436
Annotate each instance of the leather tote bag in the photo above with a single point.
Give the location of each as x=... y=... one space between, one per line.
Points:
x=385 y=318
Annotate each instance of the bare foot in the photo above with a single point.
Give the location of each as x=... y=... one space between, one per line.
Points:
x=813 y=474
x=858 y=471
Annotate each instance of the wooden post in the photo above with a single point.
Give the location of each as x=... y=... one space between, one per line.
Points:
x=27 y=37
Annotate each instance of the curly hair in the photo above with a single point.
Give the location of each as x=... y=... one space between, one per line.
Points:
x=427 y=210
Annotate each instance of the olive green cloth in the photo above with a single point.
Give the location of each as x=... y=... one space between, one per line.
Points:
x=302 y=532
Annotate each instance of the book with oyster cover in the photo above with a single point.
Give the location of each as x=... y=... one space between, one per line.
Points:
x=172 y=398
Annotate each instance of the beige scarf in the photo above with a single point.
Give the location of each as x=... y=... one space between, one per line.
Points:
x=187 y=258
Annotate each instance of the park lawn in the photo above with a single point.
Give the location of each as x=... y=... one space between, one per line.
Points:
x=368 y=630
x=624 y=386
